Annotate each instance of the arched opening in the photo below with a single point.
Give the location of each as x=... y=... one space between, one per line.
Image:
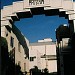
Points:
x=39 y=11
x=49 y=14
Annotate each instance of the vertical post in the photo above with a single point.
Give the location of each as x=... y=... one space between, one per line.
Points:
x=74 y=25
x=45 y=56
x=61 y=58
x=0 y=59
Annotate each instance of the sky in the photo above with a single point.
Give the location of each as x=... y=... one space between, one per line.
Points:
x=39 y=26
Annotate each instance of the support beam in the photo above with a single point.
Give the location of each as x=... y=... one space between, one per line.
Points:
x=74 y=25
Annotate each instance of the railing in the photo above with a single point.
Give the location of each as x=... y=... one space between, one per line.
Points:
x=36 y=2
x=49 y=57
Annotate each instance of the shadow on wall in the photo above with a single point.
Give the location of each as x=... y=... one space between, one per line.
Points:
x=8 y=66
x=21 y=39
x=69 y=58
x=36 y=71
x=68 y=54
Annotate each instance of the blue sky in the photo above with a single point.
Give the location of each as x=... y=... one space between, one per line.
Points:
x=39 y=26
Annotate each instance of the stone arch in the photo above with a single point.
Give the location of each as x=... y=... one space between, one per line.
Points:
x=24 y=9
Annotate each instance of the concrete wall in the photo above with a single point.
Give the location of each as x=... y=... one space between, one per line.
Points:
x=42 y=48
x=19 y=55
x=37 y=60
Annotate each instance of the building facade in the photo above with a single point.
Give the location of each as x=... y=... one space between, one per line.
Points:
x=43 y=55
x=65 y=51
x=17 y=46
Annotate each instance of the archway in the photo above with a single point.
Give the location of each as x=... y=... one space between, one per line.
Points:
x=12 y=13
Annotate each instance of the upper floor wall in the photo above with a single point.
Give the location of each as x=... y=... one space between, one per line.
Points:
x=48 y=48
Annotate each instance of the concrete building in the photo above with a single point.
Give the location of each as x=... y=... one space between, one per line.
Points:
x=65 y=53
x=62 y=36
x=43 y=55
x=17 y=46
x=28 y=8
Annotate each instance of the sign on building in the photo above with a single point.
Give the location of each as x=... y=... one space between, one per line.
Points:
x=36 y=2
